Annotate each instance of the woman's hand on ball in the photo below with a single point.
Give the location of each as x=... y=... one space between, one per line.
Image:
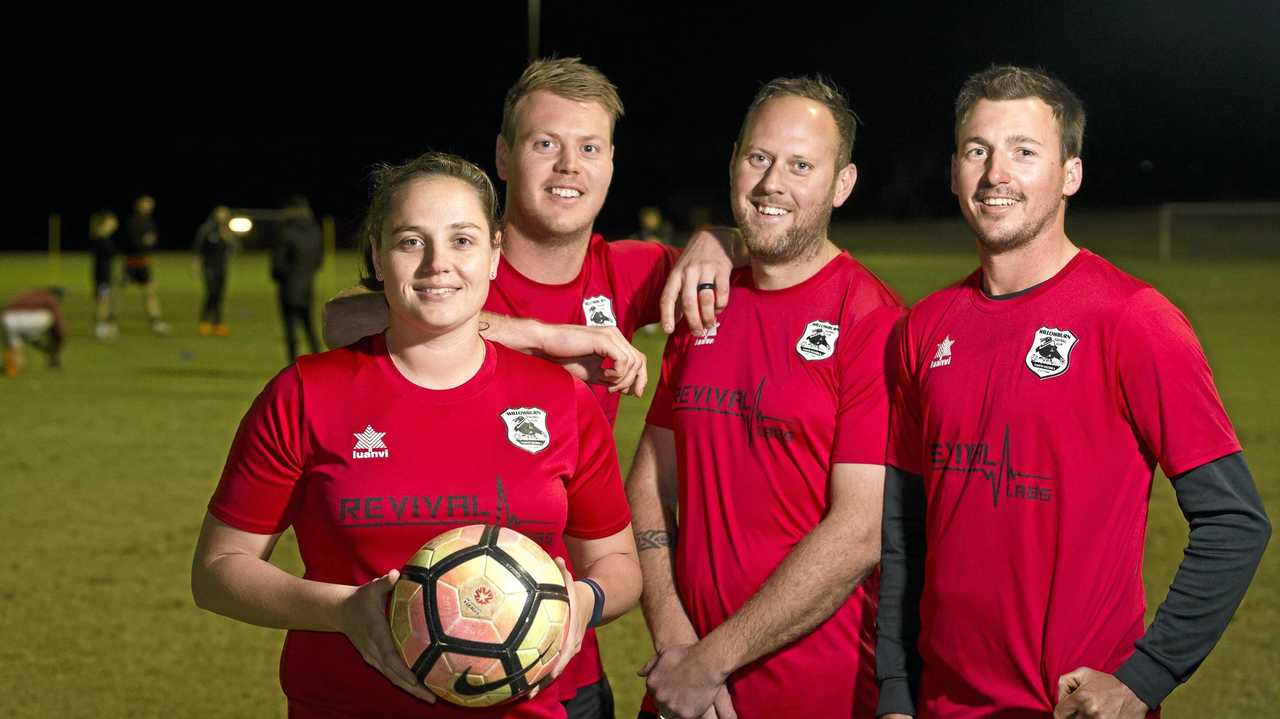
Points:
x=364 y=621
x=581 y=599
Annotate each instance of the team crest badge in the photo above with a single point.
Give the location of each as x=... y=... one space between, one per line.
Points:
x=599 y=312
x=527 y=428
x=818 y=341
x=1050 y=352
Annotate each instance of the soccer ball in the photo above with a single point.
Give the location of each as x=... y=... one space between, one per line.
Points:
x=478 y=614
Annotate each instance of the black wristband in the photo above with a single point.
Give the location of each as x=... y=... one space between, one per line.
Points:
x=597 y=611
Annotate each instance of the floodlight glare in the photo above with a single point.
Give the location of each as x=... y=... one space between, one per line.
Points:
x=240 y=225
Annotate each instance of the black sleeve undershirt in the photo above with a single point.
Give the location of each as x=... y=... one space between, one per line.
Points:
x=902 y=546
x=1229 y=530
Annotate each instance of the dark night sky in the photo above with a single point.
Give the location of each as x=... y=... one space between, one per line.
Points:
x=1183 y=100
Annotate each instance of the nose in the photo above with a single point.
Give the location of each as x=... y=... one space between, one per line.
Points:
x=771 y=181
x=434 y=260
x=567 y=160
x=996 y=171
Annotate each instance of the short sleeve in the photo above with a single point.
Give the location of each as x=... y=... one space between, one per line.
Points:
x=644 y=266
x=1167 y=387
x=597 y=501
x=862 y=420
x=256 y=492
x=660 y=414
x=904 y=446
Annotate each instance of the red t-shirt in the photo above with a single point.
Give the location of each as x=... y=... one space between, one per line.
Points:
x=1036 y=422
x=367 y=466
x=790 y=383
x=619 y=285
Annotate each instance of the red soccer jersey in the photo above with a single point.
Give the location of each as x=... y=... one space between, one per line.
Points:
x=791 y=382
x=367 y=466
x=1036 y=422
x=619 y=285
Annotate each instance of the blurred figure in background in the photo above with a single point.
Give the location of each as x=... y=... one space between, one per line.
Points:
x=140 y=238
x=33 y=317
x=654 y=227
x=295 y=259
x=102 y=229
x=215 y=242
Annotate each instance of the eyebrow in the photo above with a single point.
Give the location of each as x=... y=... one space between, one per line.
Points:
x=1012 y=140
x=592 y=137
x=1022 y=140
x=415 y=228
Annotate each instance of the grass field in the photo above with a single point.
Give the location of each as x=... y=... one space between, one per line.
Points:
x=107 y=465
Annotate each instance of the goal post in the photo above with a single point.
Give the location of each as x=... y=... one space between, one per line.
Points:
x=1170 y=211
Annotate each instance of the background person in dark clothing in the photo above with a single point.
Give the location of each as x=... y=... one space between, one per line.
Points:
x=215 y=242
x=295 y=258
x=102 y=229
x=140 y=238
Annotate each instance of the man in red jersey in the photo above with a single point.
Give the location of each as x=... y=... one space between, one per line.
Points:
x=766 y=436
x=1035 y=398
x=561 y=289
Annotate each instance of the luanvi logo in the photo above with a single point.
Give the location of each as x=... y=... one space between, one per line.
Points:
x=369 y=444
x=1006 y=480
x=942 y=357
x=706 y=337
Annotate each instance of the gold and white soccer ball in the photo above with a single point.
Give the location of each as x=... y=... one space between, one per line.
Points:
x=478 y=614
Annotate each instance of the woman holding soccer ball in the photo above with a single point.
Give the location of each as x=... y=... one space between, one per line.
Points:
x=371 y=450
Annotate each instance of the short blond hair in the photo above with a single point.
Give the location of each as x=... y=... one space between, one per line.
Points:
x=567 y=77
x=1010 y=82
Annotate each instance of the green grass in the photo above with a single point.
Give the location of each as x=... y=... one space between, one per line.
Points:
x=107 y=465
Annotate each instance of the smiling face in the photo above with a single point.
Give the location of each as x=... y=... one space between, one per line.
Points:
x=435 y=256
x=559 y=165
x=1009 y=176
x=784 y=180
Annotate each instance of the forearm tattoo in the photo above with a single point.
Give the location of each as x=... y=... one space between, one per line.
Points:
x=654 y=539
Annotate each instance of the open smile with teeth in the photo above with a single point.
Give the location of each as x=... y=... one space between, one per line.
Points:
x=436 y=291
x=770 y=210
x=566 y=192
x=998 y=201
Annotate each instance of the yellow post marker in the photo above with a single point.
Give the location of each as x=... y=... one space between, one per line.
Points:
x=329 y=233
x=55 y=248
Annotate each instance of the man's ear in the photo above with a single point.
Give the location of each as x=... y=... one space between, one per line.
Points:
x=500 y=152
x=846 y=178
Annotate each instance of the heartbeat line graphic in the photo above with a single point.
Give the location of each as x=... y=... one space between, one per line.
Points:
x=752 y=418
x=502 y=511
x=1000 y=474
